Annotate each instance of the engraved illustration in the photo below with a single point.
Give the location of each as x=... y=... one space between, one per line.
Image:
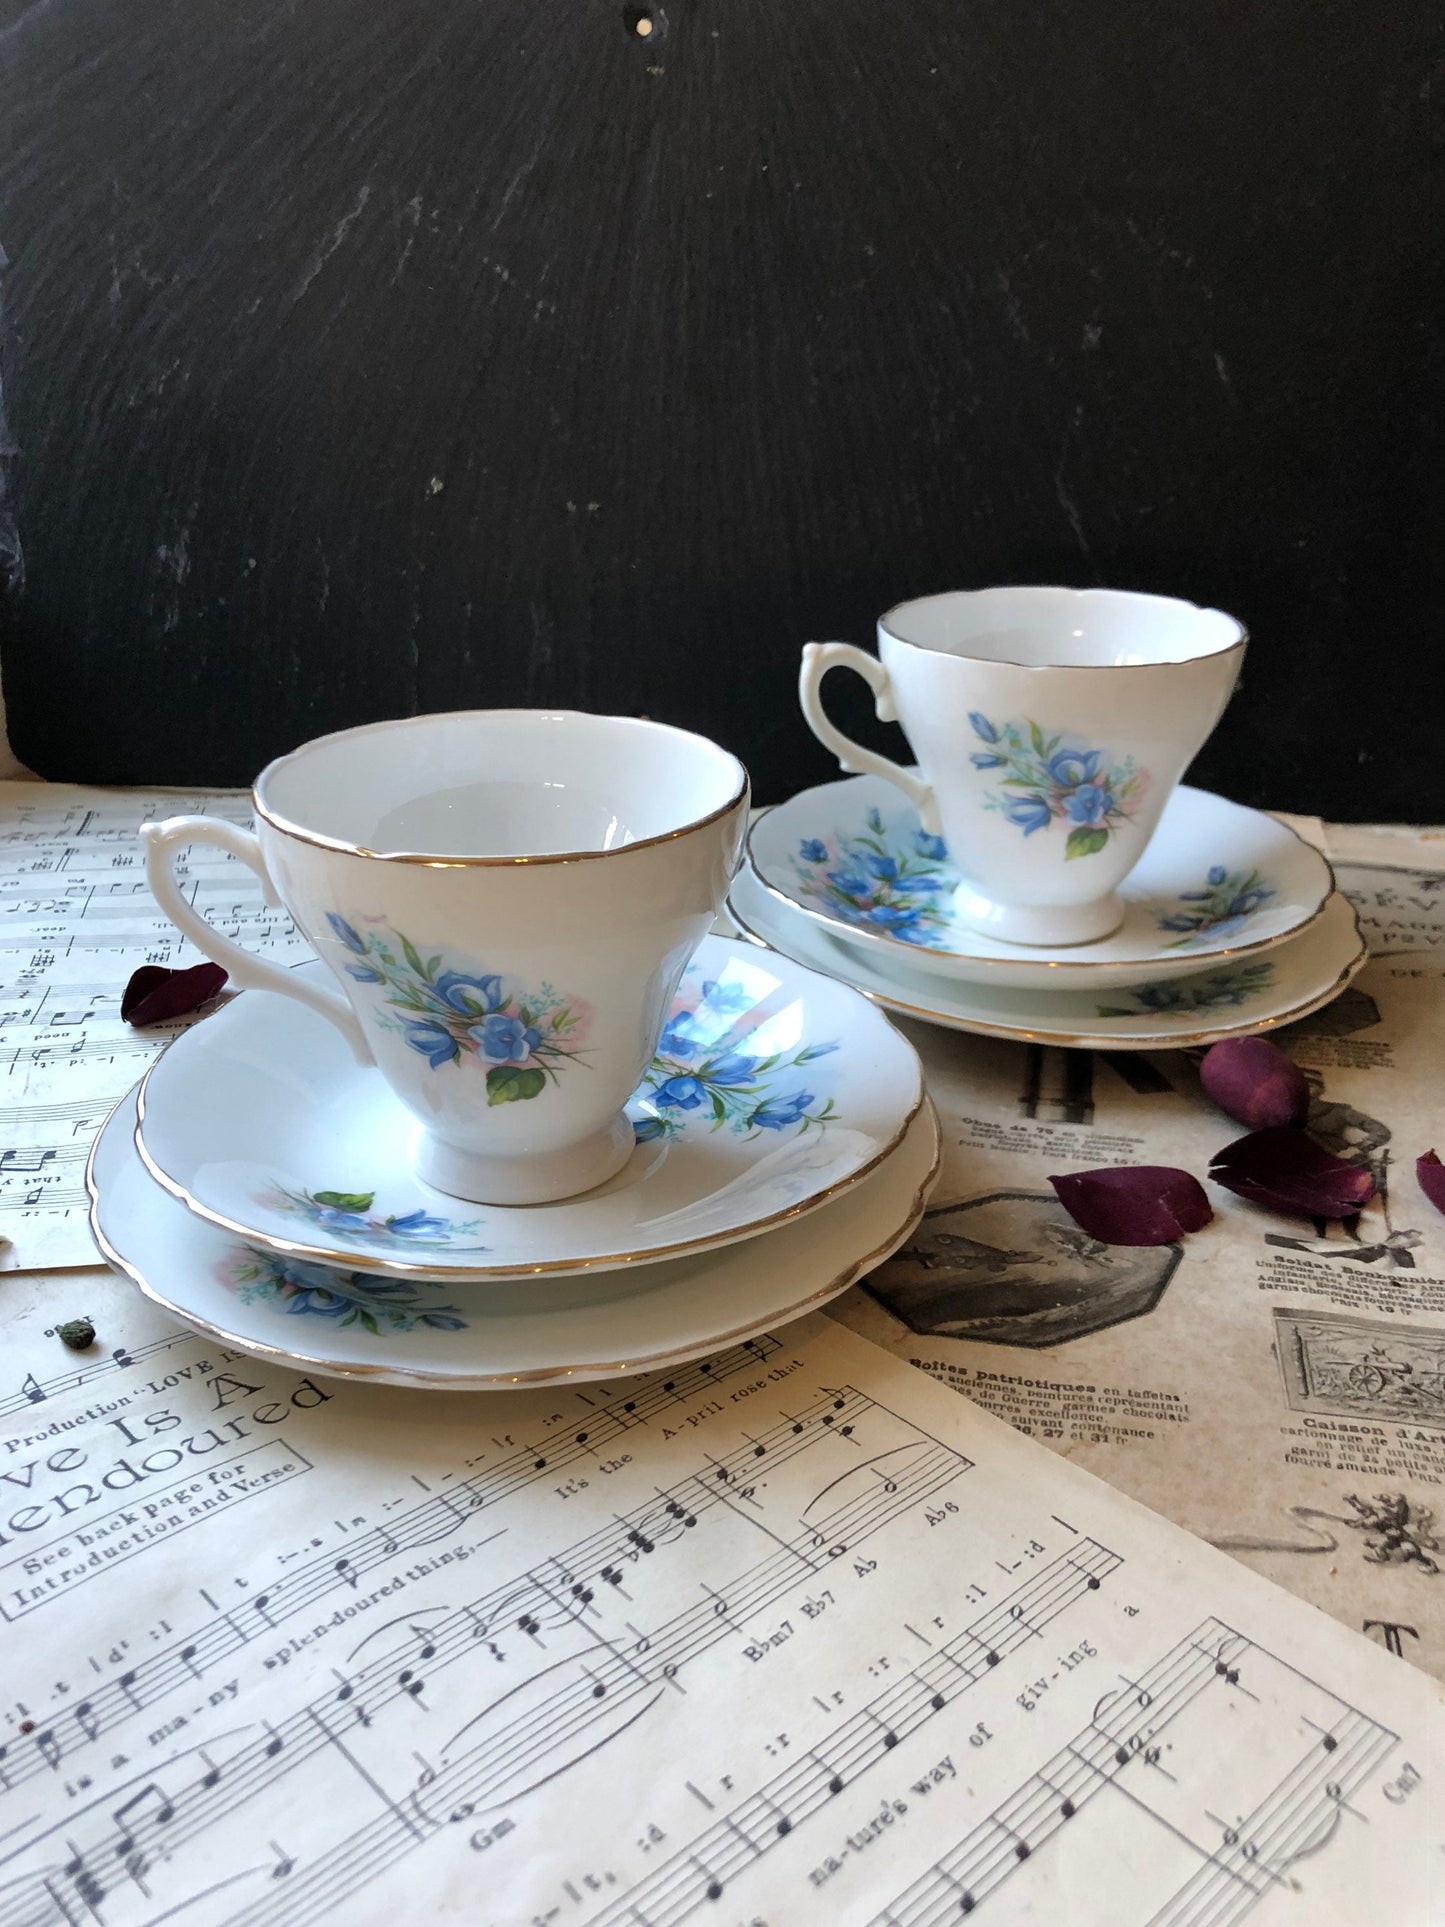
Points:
x=1373 y=1237
x=1353 y=1010
x=1397 y=1531
x=1345 y=1367
x=1013 y=1268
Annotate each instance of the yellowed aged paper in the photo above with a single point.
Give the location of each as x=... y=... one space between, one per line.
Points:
x=790 y=1637
x=1274 y=1385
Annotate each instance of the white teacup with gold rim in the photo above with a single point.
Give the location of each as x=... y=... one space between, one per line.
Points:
x=506 y=900
x=1051 y=727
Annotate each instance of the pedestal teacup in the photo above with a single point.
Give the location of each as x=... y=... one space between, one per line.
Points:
x=507 y=900
x=1050 y=727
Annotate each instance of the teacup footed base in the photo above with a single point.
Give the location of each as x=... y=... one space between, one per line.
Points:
x=540 y=1178
x=1039 y=923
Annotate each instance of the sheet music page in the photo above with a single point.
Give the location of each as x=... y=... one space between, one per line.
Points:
x=788 y=1636
x=76 y=918
x=1275 y=1385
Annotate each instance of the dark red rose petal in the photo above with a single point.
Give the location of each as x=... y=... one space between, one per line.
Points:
x=155 y=995
x=1285 y=1170
x=1253 y=1080
x=1134 y=1204
x=1431 y=1174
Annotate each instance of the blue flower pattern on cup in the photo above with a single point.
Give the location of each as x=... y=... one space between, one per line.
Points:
x=1227 y=902
x=897 y=881
x=347 y=1217
x=705 y=1071
x=451 y=1016
x=1051 y=778
x=347 y=1298
x=1216 y=990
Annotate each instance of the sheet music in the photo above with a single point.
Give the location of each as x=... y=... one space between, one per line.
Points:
x=788 y=1636
x=76 y=918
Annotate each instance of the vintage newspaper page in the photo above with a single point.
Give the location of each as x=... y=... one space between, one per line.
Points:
x=1276 y=1386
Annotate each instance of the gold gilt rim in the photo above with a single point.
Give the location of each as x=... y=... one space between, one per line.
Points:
x=865 y=939
x=1086 y=1040
x=339 y=1260
x=1237 y=647
x=546 y=1375
x=339 y=846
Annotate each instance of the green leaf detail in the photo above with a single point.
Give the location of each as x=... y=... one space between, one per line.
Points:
x=345 y=1200
x=508 y=1084
x=1036 y=737
x=413 y=956
x=433 y=965
x=1086 y=842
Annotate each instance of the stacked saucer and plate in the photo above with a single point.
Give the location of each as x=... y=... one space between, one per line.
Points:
x=523 y=1120
x=1041 y=875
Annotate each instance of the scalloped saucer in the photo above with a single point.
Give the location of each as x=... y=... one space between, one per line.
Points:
x=774 y=1089
x=442 y=1335
x=1217 y=881
x=1234 y=999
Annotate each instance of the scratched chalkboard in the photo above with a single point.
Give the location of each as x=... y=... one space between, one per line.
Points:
x=363 y=358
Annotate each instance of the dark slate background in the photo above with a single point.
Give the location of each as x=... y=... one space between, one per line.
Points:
x=365 y=357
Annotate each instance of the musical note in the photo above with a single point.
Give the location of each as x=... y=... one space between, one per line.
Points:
x=86 y=1719
x=163 y=1814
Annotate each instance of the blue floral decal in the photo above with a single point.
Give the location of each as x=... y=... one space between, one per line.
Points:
x=450 y=1016
x=1218 y=990
x=1229 y=899
x=345 y=1297
x=895 y=880
x=349 y=1217
x=704 y=1070
x=1047 y=779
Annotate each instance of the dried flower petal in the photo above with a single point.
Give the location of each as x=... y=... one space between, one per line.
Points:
x=1431 y=1175
x=155 y=995
x=1134 y=1204
x=1256 y=1082
x=1285 y=1170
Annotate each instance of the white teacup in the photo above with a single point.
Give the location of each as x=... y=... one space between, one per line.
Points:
x=1050 y=727
x=507 y=899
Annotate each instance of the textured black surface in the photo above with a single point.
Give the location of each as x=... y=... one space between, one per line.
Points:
x=370 y=357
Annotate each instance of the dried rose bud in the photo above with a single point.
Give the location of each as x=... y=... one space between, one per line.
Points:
x=1285 y=1170
x=1430 y=1174
x=1134 y=1204
x=155 y=995
x=1256 y=1082
x=77 y=1333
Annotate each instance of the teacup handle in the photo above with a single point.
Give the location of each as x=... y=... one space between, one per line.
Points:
x=853 y=759
x=161 y=840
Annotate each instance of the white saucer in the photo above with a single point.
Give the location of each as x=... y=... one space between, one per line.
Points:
x=1217 y=881
x=773 y=1091
x=453 y=1337
x=1229 y=1000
